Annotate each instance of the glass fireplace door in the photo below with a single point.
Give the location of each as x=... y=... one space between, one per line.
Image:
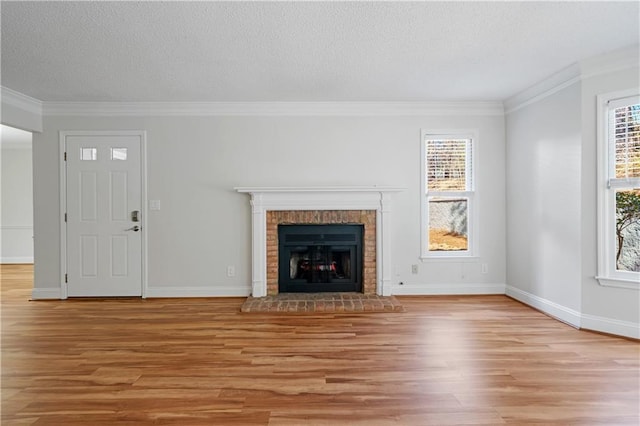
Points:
x=320 y=265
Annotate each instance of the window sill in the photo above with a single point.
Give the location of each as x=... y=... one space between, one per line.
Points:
x=618 y=282
x=458 y=259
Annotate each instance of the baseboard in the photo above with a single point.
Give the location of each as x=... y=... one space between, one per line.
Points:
x=611 y=326
x=45 y=293
x=178 y=292
x=23 y=259
x=562 y=313
x=218 y=291
x=447 y=289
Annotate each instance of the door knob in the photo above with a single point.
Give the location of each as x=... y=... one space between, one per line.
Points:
x=135 y=228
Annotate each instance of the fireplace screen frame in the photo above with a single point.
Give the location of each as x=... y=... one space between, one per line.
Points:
x=320 y=241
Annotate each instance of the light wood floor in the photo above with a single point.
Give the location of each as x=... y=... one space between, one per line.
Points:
x=481 y=360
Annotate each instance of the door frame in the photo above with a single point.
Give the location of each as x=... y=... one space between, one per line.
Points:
x=142 y=134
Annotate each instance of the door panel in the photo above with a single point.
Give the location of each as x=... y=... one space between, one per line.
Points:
x=103 y=178
x=88 y=196
x=89 y=256
x=119 y=191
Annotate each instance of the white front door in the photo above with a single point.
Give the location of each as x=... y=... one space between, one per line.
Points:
x=104 y=214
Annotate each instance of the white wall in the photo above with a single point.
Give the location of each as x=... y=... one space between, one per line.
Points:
x=551 y=197
x=204 y=225
x=606 y=309
x=544 y=202
x=16 y=225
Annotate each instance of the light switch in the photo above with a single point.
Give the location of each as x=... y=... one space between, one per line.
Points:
x=154 y=204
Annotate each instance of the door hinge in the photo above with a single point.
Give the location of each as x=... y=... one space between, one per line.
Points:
x=65 y=217
x=66 y=278
x=65 y=156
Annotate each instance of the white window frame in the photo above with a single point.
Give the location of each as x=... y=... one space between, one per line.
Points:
x=607 y=274
x=471 y=254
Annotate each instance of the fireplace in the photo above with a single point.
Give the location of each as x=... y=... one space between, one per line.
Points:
x=368 y=206
x=320 y=258
x=324 y=219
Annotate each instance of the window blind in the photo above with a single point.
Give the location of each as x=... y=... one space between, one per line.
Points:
x=626 y=140
x=449 y=164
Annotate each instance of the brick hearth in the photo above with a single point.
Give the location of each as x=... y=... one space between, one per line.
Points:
x=316 y=217
x=322 y=303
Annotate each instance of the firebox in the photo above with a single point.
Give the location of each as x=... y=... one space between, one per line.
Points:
x=320 y=258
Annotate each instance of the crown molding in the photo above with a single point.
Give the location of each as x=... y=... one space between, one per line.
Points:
x=21 y=101
x=618 y=60
x=313 y=189
x=272 y=108
x=543 y=89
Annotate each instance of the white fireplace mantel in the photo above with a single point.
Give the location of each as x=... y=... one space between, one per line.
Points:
x=265 y=199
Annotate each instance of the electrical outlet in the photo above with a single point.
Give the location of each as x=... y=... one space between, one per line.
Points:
x=231 y=271
x=414 y=269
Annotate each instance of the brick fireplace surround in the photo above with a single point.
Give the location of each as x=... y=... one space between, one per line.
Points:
x=322 y=217
x=370 y=206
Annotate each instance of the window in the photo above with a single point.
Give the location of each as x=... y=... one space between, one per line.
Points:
x=619 y=190
x=118 y=153
x=448 y=192
x=88 y=154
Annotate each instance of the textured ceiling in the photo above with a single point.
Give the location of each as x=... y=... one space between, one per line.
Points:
x=300 y=51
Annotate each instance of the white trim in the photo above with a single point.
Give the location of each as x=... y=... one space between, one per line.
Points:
x=575 y=318
x=623 y=182
x=304 y=189
x=16 y=259
x=320 y=198
x=615 y=61
x=144 y=203
x=618 y=282
x=618 y=60
x=142 y=134
x=562 y=313
x=448 y=289
x=46 y=293
x=543 y=89
x=62 y=170
x=195 y=291
x=473 y=219
x=607 y=274
x=21 y=101
x=479 y=108
x=611 y=326
x=457 y=259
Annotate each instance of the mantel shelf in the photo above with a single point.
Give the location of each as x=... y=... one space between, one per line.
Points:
x=286 y=198
x=276 y=189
